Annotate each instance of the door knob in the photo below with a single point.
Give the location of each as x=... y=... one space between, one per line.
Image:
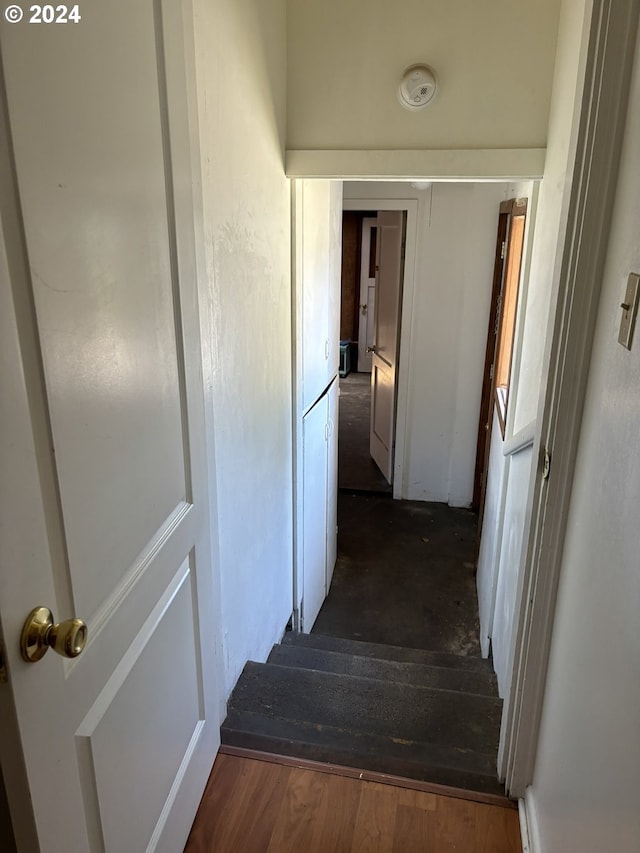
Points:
x=364 y=309
x=372 y=349
x=40 y=633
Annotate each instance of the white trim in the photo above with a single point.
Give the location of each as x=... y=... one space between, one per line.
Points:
x=610 y=45
x=297 y=202
x=400 y=484
x=524 y=826
x=523 y=295
x=364 y=358
x=529 y=826
x=529 y=830
x=495 y=164
x=521 y=440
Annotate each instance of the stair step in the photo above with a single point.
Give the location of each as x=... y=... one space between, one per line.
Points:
x=333 y=745
x=422 y=714
x=385 y=652
x=399 y=672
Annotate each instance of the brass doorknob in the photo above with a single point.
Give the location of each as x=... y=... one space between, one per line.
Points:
x=40 y=633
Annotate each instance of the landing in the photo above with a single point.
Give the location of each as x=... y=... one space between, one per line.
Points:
x=404 y=576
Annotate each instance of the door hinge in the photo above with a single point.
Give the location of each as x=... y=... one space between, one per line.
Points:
x=546 y=464
x=503 y=250
x=491 y=371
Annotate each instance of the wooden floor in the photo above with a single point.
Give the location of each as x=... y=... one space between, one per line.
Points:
x=251 y=806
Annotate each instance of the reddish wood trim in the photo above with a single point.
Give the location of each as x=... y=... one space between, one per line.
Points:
x=486 y=403
x=371 y=776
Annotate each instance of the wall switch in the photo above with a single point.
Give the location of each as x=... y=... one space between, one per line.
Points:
x=629 y=310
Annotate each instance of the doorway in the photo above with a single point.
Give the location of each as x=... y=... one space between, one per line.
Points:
x=367 y=240
x=447 y=286
x=373 y=249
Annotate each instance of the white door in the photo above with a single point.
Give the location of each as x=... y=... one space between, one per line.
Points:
x=315 y=436
x=317 y=218
x=385 y=339
x=103 y=504
x=313 y=203
x=332 y=482
x=367 y=303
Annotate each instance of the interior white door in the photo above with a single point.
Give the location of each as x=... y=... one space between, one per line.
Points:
x=367 y=302
x=332 y=482
x=315 y=249
x=315 y=436
x=389 y=253
x=104 y=502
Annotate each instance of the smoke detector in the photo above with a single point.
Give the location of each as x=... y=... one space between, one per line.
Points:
x=417 y=87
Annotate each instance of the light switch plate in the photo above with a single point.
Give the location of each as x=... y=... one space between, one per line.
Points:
x=629 y=310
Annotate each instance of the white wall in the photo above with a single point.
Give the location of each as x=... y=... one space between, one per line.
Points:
x=587 y=777
x=345 y=60
x=457 y=224
x=241 y=48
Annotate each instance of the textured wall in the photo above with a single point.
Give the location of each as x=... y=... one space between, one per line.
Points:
x=241 y=48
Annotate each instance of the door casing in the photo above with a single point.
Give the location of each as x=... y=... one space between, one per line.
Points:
x=366 y=302
x=400 y=475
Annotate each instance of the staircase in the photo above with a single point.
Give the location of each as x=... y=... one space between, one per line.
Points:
x=423 y=715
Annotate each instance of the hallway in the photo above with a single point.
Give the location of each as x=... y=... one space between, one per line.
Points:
x=404 y=576
x=356 y=469
x=390 y=680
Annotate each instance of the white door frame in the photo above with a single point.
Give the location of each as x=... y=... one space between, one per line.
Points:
x=410 y=205
x=364 y=357
x=607 y=55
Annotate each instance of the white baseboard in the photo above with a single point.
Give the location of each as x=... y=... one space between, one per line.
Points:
x=529 y=824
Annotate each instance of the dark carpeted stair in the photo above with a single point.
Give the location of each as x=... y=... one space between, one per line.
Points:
x=406 y=712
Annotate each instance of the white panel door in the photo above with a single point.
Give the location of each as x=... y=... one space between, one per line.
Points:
x=334 y=284
x=104 y=503
x=315 y=434
x=386 y=336
x=332 y=482
x=314 y=245
x=367 y=304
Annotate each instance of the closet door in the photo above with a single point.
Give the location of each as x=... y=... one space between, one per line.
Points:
x=315 y=429
x=314 y=244
x=332 y=482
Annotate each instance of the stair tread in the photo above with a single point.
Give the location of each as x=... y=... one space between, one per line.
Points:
x=404 y=672
x=387 y=652
x=420 y=714
x=331 y=744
